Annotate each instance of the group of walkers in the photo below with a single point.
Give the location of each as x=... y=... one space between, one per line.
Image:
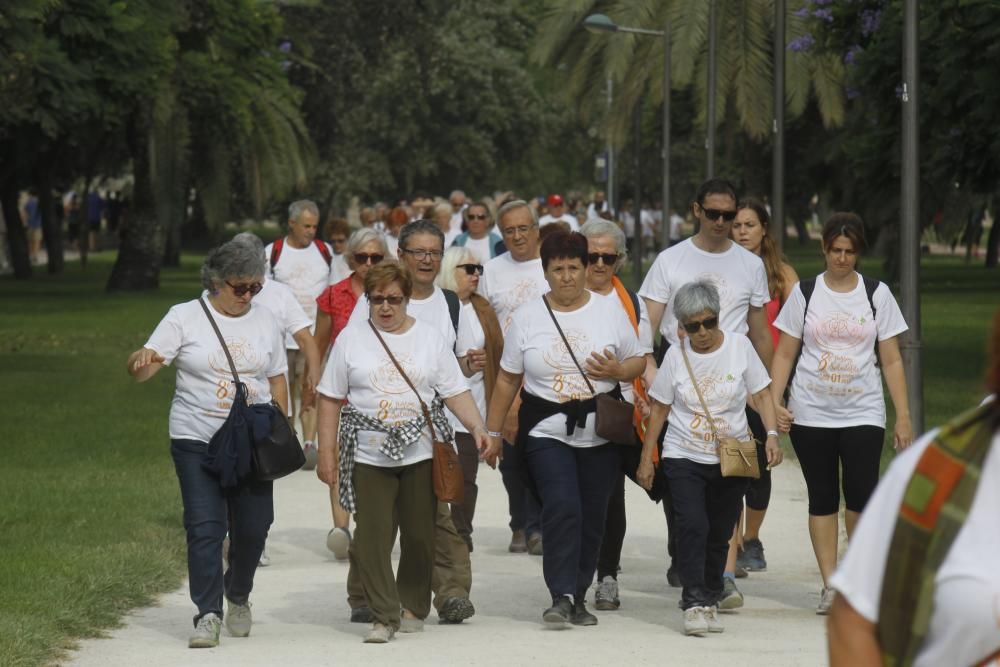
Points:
x=506 y=338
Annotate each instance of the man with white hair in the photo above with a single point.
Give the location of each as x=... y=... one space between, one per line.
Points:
x=457 y=199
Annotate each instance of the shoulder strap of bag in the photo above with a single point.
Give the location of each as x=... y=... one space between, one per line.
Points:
x=222 y=341
x=276 y=247
x=324 y=250
x=697 y=389
x=870 y=286
x=402 y=373
x=568 y=348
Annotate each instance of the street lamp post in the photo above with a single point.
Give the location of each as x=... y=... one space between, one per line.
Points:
x=778 y=152
x=710 y=112
x=601 y=23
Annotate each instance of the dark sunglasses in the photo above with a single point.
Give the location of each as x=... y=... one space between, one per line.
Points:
x=363 y=257
x=709 y=323
x=714 y=214
x=609 y=258
x=471 y=269
x=478 y=217
x=240 y=290
x=379 y=300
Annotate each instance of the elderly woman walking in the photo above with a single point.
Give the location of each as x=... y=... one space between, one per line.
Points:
x=478 y=347
x=567 y=347
x=702 y=386
x=378 y=385
x=232 y=274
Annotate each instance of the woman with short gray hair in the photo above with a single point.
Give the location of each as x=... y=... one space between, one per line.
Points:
x=706 y=505
x=203 y=396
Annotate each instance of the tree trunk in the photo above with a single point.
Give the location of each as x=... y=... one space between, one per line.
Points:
x=17 y=239
x=140 y=252
x=51 y=226
x=993 y=245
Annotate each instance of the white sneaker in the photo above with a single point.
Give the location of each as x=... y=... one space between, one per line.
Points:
x=338 y=540
x=238 y=618
x=206 y=633
x=826 y=597
x=695 y=622
x=265 y=560
x=712 y=619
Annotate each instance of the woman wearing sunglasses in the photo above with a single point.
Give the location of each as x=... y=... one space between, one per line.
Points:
x=232 y=274
x=845 y=325
x=706 y=505
x=365 y=249
x=375 y=441
x=480 y=237
x=478 y=348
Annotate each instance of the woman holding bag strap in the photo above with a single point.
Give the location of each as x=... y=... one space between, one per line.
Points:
x=706 y=504
x=374 y=440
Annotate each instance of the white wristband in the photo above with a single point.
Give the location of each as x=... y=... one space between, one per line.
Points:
x=774 y=433
x=494 y=434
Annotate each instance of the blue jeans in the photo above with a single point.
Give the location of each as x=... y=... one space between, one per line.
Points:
x=246 y=513
x=706 y=506
x=525 y=514
x=575 y=484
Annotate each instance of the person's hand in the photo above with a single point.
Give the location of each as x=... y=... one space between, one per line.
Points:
x=310 y=381
x=326 y=466
x=308 y=393
x=490 y=448
x=773 y=450
x=648 y=376
x=644 y=474
x=902 y=436
x=476 y=359
x=603 y=366
x=785 y=418
x=510 y=425
x=143 y=358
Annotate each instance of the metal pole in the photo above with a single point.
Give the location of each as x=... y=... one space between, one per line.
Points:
x=665 y=194
x=611 y=198
x=637 y=203
x=778 y=153
x=909 y=235
x=710 y=113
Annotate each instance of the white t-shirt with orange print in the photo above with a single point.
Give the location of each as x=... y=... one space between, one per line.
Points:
x=836 y=380
x=725 y=377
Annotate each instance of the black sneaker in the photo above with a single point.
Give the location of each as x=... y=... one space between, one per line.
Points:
x=362 y=615
x=580 y=614
x=456 y=610
x=560 y=613
x=673 y=577
x=753 y=557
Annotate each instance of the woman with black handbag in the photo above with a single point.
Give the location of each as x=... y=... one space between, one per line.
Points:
x=382 y=399
x=714 y=368
x=571 y=348
x=204 y=394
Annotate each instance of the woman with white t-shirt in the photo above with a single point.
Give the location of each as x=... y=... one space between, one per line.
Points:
x=375 y=441
x=919 y=584
x=836 y=410
x=706 y=505
x=572 y=468
x=478 y=348
x=480 y=239
x=232 y=274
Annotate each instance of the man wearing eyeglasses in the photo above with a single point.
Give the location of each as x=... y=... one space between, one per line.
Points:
x=510 y=280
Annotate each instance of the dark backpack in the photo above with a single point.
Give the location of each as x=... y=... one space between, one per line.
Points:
x=454 y=305
x=279 y=245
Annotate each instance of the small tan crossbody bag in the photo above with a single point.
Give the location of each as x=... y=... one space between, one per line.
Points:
x=737 y=458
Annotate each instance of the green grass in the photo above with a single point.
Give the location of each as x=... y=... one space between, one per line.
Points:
x=90 y=514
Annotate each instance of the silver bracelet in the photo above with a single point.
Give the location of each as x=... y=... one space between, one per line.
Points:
x=494 y=434
x=774 y=433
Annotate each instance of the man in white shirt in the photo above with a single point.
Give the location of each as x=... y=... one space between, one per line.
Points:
x=557 y=213
x=597 y=207
x=510 y=280
x=302 y=262
x=676 y=228
x=458 y=204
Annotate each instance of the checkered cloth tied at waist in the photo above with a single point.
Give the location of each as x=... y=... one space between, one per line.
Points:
x=398 y=437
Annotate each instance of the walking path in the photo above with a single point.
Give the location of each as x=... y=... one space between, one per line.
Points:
x=301 y=613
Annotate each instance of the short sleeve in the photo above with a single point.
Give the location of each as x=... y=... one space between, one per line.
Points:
x=662 y=389
x=759 y=294
x=448 y=378
x=295 y=318
x=167 y=337
x=656 y=285
x=512 y=359
x=791 y=318
x=324 y=301
x=279 y=358
x=334 y=382
x=889 y=320
x=755 y=376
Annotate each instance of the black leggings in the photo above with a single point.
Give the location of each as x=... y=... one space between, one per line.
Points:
x=759 y=492
x=821 y=453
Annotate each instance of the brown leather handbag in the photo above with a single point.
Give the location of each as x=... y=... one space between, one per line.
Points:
x=449 y=483
x=737 y=458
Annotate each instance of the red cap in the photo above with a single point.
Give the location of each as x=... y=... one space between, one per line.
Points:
x=555 y=200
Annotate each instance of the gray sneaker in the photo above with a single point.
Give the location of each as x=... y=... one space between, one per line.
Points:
x=338 y=540
x=826 y=597
x=752 y=559
x=311 y=454
x=238 y=618
x=206 y=632
x=606 y=595
x=731 y=596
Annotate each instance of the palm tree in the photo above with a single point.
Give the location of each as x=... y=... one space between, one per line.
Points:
x=634 y=62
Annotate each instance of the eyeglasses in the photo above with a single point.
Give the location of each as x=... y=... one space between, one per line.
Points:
x=607 y=257
x=421 y=255
x=522 y=230
x=472 y=216
x=471 y=269
x=379 y=300
x=240 y=290
x=709 y=323
x=364 y=257
x=713 y=214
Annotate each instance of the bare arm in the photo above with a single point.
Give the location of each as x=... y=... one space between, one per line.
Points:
x=658 y=414
x=144 y=363
x=851 y=638
x=314 y=364
x=760 y=334
x=504 y=391
x=279 y=392
x=765 y=406
x=895 y=378
x=790 y=278
x=324 y=325
x=655 y=309
x=328 y=426
x=781 y=368
x=464 y=407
